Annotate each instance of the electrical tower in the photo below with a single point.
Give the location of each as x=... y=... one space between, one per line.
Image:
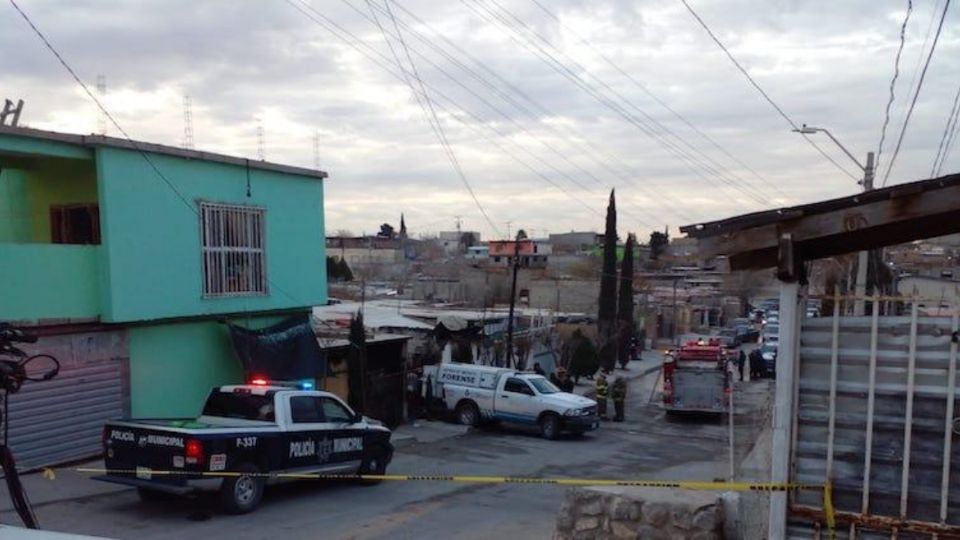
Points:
x=101 y=93
x=316 y=149
x=261 y=143
x=187 y=123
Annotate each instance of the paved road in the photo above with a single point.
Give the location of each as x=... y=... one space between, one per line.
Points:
x=646 y=446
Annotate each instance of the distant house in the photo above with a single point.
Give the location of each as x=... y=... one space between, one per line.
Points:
x=455 y=242
x=478 y=253
x=532 y=253
x=575 y=242
x=127 y=257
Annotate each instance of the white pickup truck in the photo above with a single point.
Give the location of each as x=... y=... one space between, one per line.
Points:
x=488 y=394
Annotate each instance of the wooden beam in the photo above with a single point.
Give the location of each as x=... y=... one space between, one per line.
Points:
x=904 y=217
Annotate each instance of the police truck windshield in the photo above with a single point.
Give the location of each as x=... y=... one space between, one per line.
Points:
x=543 y=386
x=240 y=405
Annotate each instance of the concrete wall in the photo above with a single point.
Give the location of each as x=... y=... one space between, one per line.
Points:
x=151 y=236
x=29 y=189
x=648 y=513
x=932 y=291
x=14 y=206
x=579 y=296
x=49 y=281
x=174 y=366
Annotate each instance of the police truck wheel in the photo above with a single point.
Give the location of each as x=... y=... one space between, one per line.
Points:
x=374 y=463
x=467 y=414
x=550 y=426
x=241 y=494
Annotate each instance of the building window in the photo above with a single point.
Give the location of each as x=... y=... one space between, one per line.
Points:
x=234 y=261
x=75 y=224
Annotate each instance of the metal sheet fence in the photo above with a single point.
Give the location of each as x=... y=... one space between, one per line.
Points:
x=876 y=414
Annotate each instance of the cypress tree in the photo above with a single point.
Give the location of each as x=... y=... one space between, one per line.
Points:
x=357 y=364
x=606 y=318
x=625 y=302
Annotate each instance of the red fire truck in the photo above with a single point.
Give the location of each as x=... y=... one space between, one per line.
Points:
x=696 y=378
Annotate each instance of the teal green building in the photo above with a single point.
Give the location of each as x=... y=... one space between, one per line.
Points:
x=135 y=254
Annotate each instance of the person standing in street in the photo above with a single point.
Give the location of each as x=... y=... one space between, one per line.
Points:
x=619 y=394
x=601 y=396
x=741 y=360
x=755 y=360
x=414 y=394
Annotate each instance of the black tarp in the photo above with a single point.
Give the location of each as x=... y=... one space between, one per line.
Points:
x=287 y=351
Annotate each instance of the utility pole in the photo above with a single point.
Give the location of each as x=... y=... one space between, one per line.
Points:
x=513 y=300
x=861 y=286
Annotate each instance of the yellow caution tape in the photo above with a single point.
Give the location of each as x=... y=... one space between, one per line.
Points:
x=692 y=485
x=828 y=507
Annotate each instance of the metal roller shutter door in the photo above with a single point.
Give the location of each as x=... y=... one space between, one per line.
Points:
x=61 y=420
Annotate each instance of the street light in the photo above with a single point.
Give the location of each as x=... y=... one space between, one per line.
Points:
x=867 y=183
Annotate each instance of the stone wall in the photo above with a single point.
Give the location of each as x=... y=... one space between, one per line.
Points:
x=639 y=513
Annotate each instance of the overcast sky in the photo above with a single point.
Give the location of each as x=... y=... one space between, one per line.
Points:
x=540 y=141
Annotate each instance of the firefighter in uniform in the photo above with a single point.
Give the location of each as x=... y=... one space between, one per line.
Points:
x=619 y=394
x=601 y=396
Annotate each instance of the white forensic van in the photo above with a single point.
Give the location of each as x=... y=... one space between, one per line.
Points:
x=489 y=394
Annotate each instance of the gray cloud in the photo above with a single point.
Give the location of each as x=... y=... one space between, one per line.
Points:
x=826 y=64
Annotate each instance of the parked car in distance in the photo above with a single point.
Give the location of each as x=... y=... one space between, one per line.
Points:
x=747 y=333
x=729 y=338
x=771 y=334
x=769 y=353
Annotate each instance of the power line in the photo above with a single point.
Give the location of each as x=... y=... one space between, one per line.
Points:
x=658 y=100
x=603 y=162
x=763 y=93
x=382 y=61
x=647 y=127
x=946 y=141
x=436 y=119
x=674 y=207
x=893 y=81
x=653 y=127
x=916 y=94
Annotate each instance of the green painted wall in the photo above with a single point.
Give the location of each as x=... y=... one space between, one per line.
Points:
x=174 y=366
x=28 y=190
x=48 y=281
x=58 y=181
x=15 y=222
x=14 y=145
x=151 y=236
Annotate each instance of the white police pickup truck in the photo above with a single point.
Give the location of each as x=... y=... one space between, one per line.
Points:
x=249 y=430
x=478 y=394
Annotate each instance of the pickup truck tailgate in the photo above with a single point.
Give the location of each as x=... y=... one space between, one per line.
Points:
x=131 y=448
x=698 y=389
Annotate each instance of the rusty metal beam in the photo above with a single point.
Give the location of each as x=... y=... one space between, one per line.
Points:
x=900 y=214
x=878 y=523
